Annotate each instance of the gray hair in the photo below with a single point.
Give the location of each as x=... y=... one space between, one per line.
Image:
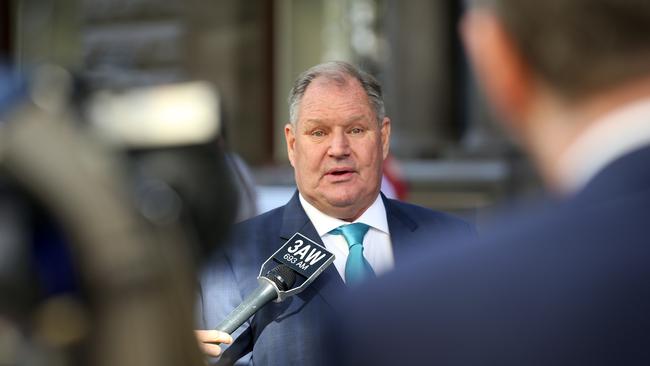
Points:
x=579 y=46
x=337 y=71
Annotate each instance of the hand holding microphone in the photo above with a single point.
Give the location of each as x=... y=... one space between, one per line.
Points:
x=280 y=278
x=209 y=341
x=293 y=267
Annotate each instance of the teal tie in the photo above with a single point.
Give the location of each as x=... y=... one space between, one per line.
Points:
x=357 y=268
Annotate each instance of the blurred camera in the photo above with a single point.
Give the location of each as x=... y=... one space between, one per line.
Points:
x=108 y=202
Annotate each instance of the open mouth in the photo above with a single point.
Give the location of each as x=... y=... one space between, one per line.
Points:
x=340 y=172
x=340 y=175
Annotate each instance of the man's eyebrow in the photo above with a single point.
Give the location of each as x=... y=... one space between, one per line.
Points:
x=312 y=123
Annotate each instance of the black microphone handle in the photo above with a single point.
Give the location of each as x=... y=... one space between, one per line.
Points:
x=263 y=294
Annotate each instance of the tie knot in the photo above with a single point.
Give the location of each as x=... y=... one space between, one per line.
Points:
x=353 y=233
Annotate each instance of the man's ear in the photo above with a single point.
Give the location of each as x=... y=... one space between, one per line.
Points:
x=290 y=137
x=504 y=75
x=385 y=136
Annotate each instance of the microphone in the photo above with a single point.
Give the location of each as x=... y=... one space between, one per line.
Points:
x=298 y=262
x=280 y=278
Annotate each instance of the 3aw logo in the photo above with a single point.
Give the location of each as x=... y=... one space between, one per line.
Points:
x=303 y=255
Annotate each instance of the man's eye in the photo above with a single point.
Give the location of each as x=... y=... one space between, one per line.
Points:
x=356 y=130
x=318 y=133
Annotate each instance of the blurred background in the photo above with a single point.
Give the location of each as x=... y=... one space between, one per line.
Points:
x=446 y=151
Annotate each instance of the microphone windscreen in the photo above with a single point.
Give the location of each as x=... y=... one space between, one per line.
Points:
x=283 y=277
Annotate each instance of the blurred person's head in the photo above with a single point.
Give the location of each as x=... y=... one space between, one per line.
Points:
x=551 y=67
x=337 y=138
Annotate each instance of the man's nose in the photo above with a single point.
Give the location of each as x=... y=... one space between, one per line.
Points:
x=339 y=145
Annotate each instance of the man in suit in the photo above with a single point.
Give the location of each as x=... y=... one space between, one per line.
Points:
x=337 y=140
x=565 y=283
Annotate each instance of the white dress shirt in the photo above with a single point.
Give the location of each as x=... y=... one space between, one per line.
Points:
x=608 y=138
x=377 y=247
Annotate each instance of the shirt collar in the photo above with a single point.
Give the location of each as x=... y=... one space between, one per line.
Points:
x=610 y=137
x=374 y=216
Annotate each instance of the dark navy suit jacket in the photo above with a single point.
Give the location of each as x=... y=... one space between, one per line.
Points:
x=566 y=285
x=292 y=332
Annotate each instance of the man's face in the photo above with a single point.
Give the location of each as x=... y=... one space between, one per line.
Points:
x=337 y=148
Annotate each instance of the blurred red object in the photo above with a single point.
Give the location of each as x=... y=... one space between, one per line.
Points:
x=393 y=184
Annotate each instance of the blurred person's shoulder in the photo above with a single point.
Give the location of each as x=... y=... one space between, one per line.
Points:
x=564 y=258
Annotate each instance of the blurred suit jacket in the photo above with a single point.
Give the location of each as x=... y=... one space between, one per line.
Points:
x=291 y=332
x=566 y=285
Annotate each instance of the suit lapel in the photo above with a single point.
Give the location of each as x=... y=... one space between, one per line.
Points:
x=401 y=228
x=329 y=284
